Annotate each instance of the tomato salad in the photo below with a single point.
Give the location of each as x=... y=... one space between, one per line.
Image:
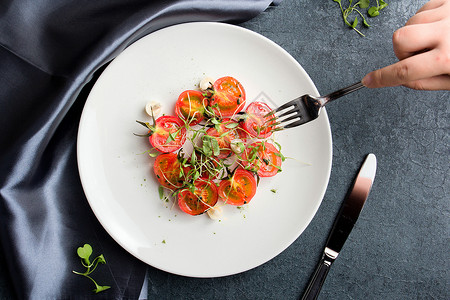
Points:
x=232 y=147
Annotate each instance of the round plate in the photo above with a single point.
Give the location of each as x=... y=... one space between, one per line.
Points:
x=117 y=175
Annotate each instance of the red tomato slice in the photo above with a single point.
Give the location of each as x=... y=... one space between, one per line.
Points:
x=191 y=106
x=243 y=134
x=204 y=197
x=256 y=124
x=169 y=134
x=226 y=133
x=168 y=169
x=262 y=158
x=239 y=189
x=228 y=98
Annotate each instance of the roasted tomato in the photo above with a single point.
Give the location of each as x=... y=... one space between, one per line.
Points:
x=262 y=158
x=191 y=106
x=169 y=134
x=200 y=200
x=228 y=98
x=256 y=124
x=169 y=171
x=224 y=133
x=239 y=189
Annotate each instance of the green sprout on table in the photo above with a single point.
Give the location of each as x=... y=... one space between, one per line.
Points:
x=85 y=253
x=373 y=11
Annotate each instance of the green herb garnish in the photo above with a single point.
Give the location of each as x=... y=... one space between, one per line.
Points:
x=85 y=253
x=161 y=192
x=353 y=9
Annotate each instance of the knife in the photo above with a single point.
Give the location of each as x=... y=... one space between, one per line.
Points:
x=343 y=224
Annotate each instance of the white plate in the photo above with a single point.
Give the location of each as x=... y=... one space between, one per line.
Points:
x=118 y=180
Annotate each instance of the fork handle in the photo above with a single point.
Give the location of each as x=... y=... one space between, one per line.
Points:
x=343 y=92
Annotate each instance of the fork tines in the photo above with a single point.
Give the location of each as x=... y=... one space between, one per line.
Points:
x=288 y=115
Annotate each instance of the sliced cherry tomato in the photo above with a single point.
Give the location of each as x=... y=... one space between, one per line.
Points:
x=228 y=98
x=191 y=106
x=243 y=134
x=224 y=133
x=239 y=189
x=256 y=124
x=169 y=134
x=262 y=158
x=204 y=197
x=169 y=171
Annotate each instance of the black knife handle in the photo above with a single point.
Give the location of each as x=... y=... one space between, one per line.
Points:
x=317 y=280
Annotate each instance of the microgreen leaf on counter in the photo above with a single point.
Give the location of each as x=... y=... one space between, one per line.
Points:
x=85 y=253
x=355 y=8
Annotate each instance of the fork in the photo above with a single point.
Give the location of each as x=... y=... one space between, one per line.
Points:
x=305 y=108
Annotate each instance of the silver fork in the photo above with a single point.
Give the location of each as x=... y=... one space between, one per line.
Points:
x=305 y=108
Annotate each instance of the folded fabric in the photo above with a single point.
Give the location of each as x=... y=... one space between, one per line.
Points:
x=51 y=53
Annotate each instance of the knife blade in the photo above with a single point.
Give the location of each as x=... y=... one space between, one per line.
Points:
x=343 y=224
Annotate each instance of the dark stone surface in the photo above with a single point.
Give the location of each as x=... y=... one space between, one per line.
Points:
x=399 y=246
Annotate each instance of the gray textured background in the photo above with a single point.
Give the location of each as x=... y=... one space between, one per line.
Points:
x=398 y=248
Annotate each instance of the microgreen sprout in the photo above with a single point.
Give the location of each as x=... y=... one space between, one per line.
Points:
x=353 y=9
x=150 y=128
x=85 y=253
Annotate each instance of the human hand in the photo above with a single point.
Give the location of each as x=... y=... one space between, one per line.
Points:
x=423 y=49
